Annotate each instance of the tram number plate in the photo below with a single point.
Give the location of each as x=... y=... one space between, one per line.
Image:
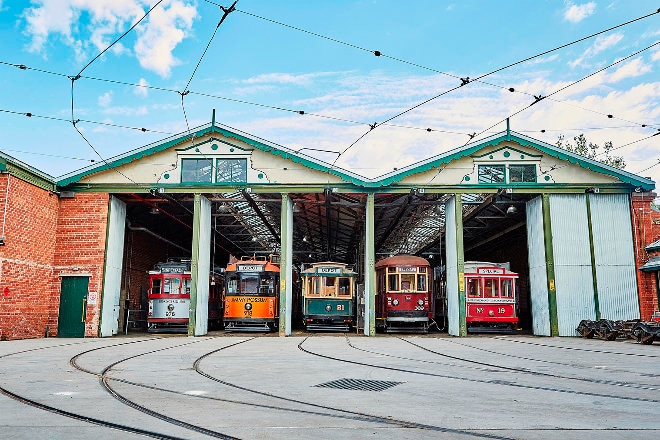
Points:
x=500 y=310
x=170 y=314
x=340 y=307
x=247 y=312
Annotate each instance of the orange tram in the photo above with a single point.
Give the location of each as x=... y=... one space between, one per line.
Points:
x=168 y=297
x=404 y=299
x=490 y=297
x=251 y=298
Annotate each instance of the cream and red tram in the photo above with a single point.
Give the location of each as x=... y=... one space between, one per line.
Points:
x=328 y=296
x=404 y=300
x=490 y=297
x=169 y=297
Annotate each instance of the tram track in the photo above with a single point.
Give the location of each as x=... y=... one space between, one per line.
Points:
x=486 y=381
x=75 y=416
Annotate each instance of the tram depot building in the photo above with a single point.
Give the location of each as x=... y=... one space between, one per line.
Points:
x=75 y=251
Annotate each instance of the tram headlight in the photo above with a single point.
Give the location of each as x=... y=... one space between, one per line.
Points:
x=248 y=306
x=328 y=307
x=491 y=313
x=420 y=302
x=395 y=302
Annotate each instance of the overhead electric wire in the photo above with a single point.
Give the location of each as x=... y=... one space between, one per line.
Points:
x=467 y=80
x=539 y=98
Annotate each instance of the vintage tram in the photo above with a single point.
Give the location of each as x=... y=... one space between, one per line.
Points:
x=251 y=298
x=328 y=296
x=404 y=300
x=490 y=297
x=168 y=297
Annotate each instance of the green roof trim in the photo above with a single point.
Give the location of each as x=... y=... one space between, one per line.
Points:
x=178 y=139
x=389 y=179
x=479 y=156
x=25 y=172
x=550 y=150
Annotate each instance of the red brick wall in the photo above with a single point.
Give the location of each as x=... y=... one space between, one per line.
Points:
x=646 y=230
x=81 y=237
x=28 y=217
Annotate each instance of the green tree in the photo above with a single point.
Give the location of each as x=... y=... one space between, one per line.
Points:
x=590 y=151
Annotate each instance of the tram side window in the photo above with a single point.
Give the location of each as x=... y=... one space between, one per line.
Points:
x=266 y=285
x=393 y=282
x=507 y=288
x=186 y=286
x=421 y=283
x=490 y=288
x=473 y=288
x=232 y=285
x=344 y=286
x=156 y=286
x=407 y=282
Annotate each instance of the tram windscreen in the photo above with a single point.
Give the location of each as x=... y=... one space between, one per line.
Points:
x=172 y=286
x=155 y=286
x=344 y=286
x=249 y=284
x=490 y=288
x=421 y=283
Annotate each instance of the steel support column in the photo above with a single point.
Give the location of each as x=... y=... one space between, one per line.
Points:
x=200 y=267
x=286 y=261
x=369 y=270
x=550 y=267
x=455 y=267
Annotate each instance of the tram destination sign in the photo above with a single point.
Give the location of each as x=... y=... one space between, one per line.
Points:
x=172 y=269
x=329 y=270
x=249 y=268
x=407 y=269
x=490 y=270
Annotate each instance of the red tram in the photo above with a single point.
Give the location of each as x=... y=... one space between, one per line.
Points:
x=252 y=290
x=490 y=297
x=404 y=300
x=169 y=297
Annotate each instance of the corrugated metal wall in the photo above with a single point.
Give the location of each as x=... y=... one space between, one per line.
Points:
x=538 y=279
x=572 y=261
x=452 y=268
x=614 y=256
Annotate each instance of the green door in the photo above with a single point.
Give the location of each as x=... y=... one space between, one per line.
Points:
x=73 y=307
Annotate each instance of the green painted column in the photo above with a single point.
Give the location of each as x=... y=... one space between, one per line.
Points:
x=460 y=263
x=593 y=257
x=550 y=267
x=369 y=270
x=286 y=261
x=194 y=264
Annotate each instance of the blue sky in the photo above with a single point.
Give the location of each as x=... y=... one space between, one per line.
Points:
x=269 y=59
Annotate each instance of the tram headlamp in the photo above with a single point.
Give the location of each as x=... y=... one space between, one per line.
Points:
x=328 y=307
x=420 y=302
x=248 y=306
x=491 y=313
x=395 y=302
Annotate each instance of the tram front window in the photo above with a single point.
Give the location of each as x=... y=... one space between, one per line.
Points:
x=266 y=285
x=232 y=285
x=507 y=289
x=344 y=286
x=473 y=288
x=155 y=286
x=393 y=282
x=172 y=286
x=490 y=288
x=407 y=282
x=249 y=284
x=421 y=283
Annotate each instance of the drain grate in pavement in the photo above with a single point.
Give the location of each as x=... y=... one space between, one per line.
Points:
x=359 y=384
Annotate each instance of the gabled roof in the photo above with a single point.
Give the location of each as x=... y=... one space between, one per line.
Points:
x=551 y=150
x=203 y=130
x=350 y=177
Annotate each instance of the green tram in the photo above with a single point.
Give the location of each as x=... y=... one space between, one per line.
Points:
x=328 y=296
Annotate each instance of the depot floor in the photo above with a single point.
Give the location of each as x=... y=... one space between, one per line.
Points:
x=328 y=386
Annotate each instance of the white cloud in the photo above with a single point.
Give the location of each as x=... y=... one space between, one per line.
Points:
x=166 y=28
x=600 y=44
x=631 y=69
x=655 y=56
x=90 y=26
x=577 y=13
x=105 y=100
x=142 y=88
